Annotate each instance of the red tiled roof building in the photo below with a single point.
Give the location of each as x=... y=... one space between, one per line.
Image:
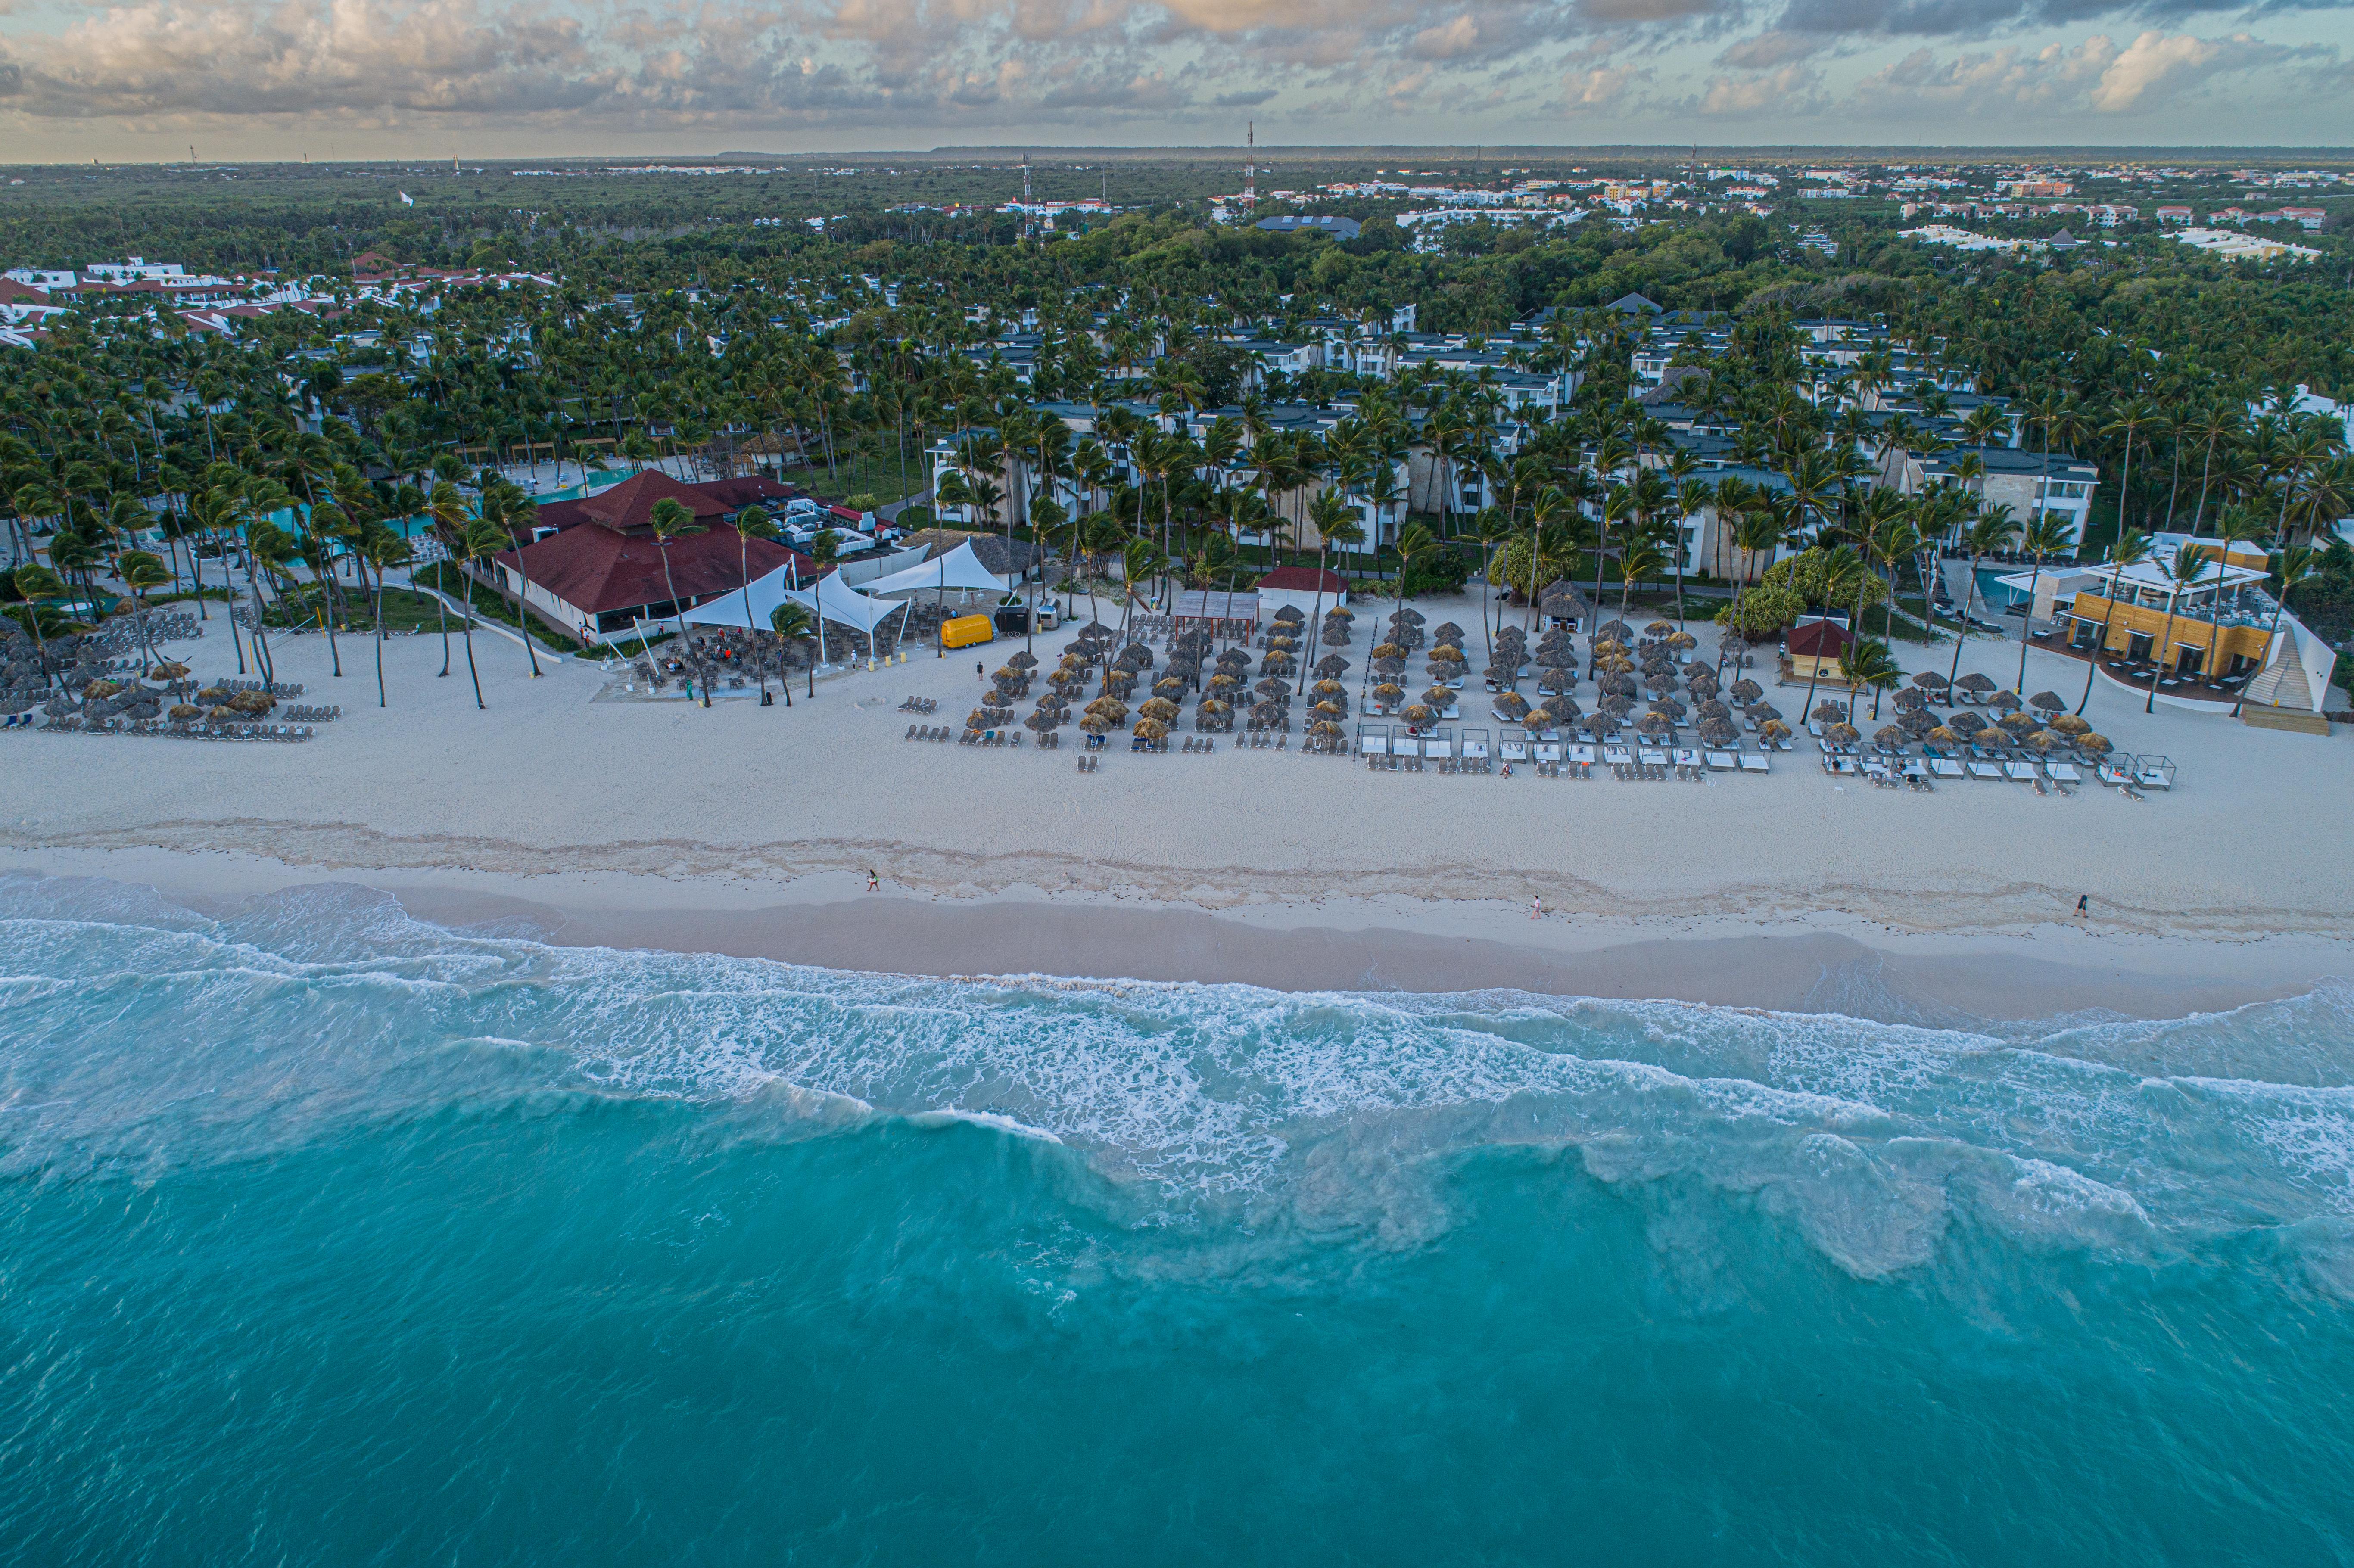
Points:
x=594 y=565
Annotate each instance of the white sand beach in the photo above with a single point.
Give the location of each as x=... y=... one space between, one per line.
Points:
x=661 y=823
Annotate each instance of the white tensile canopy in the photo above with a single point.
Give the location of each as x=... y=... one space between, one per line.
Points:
x=832 y=599
x=959 y=568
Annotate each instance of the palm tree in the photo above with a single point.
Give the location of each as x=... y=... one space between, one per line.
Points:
x=480 y=540
x=2129 y=420
x=142 y=572
x=384 y=550
x=795 y=624
x=672 y=520
x=2048 y=536
x=1868 y=662
x=2181 y=572
x=2130 y=548
x=35 y=583
x=1992 y=533
x=451 y=514
x=2235 y=526
x=750 y=523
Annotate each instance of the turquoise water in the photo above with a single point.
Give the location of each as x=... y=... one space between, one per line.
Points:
x=327 y=1236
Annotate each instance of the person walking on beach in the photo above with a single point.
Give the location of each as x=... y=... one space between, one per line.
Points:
x=1536 y=907
x=2084 y=902
x=977 y=668
x=873 y=884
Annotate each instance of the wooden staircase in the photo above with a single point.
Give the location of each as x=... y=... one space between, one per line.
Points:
x=2283 y=718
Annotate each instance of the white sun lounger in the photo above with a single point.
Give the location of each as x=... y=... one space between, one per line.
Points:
x=1513 y=750
x=1438 y=746
x=1451 y=711
x=1947 y=767
x=1755 y=762
x=2151 y=779
x=1582 y=754
x=2019 y=772
x=1374 y=746
x=1986 y=770
x=1548 y=753
x=1687 y=756
x=1475 y=750
x=2065 y=772
x=1618 y=756
x=1724 y=761
x=1652 y=758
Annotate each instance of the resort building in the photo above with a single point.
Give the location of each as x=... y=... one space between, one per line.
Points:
x=593 y=568
x=1811 y=651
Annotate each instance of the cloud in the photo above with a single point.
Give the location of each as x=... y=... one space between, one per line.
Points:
x=1764 y=51
x=2095 y=76
x=1934 y=17
x=1603 y=88
x=1790 y=89
x=1251 y=100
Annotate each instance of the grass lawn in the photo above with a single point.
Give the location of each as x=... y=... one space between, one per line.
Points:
x=861 y=475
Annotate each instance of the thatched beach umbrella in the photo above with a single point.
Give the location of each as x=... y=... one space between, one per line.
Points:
x=1915 y=723
x=1149 y=729
x=1233 y=659
x=1289 y=612
x=1169 y=686
x=1447 y=631
x=1107 y=708
x=2019 y=724
x=1931 y=680
x=1713 y=709
x=1272 y=688
x=1943 y=735
x=1438 y=696
x=1387 y=649
x=1418 y=715
x=1390 y=692
x=1746 y=690
x=1604 y=644
x=1409 y=616
x=1212 y=714
x=1224 y=681
x=2005 y=700
x=1512 y=706
x=1043 y=720
x=1773 y=730
x=1541 y=719
x=183 y=712
x=170 y=669
x=2046 y=740
x=1668 y=706
x=1271 y=715
x=1328 y=710
x=2069 y=724
x=1682 y=639
x=1841 y=733
x=1329 y=689
x=2047 y=701
x=1718 y=732
x=1761 y=712
x=1973 y=682
x=1560 y=681
x=1332 y=666
x=1653 y=724
x=1563 y=709
x=1022 y=658
x=1889 y=735
x=1095 y=724
x=1278 y=663
x=1911 y=699
x=1615 y=706
x=1159 y=708
x=1964 y=722
x=1829 y=713
x=1660 y=629
x=1656 y=685
x=2092 y=745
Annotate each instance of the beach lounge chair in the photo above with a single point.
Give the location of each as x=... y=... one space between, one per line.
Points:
x=1548 y=751
x=1618 y=756
x=1513 y=750
x=1986 y=770
x=2021 y=772
x=2154 y=772
x=1688 y=756
x=1755 y=762
x=1723 y=761
x=1475 y=746
x=1650 y=757
x=1947 y=767
x=1439 y=746
x=2064 y=773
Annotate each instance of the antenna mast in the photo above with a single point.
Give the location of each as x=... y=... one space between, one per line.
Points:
x=1250 y=164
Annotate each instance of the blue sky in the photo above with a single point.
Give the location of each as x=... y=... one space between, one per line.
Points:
x=348 y=79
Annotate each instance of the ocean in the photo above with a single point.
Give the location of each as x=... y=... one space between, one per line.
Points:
x=329 y=1236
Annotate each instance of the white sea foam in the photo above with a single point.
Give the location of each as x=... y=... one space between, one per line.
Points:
x=165 y=1038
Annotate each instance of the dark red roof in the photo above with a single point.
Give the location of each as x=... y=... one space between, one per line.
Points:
x=1819 y=638
x=600 y=569
x=1303 y=579
x=631 y=504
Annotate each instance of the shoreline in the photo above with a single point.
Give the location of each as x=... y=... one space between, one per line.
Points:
x=1816 y=961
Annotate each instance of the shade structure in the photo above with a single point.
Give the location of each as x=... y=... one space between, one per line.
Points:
x=830 y=599
x=2047 y=701
x=1389 y=692
x=1563 y=709
x=1712 y=709
x=1718 y=732
x=1540 y=718
x=1512 y=704
x=1331 y=710
x=1680 y=639
x=1417 y=713
x=1271 y=714
x=1558 y=680
x=1653 y=724
x=2019 y=724
x=1774 y=730
x=2069 y=724
x=2092 y=745
x=1150 y=729
x=1660 y=629
x=1292 y=613
x=1829 y=713
x=1110 y=709
x=1889 y=735
x=1917 y=723
x=1931 y=680
x=1942 y=734
x=1387 y=650
x=1668 y=706
x=1447 y=631
x=2006 y=701
x=1762 y=713
x=1746 y=690
x=1331 y=666
x=959 y=568
x=1842 y=733
x=1617 y=630
x=1271 y=687
x=1043 y=720
x=1964 y=722
x=1169 y=686
x=1159 y=708
x=2046 y=740
x=1973 y=682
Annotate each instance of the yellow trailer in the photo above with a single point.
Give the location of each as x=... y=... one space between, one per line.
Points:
x=966 y=630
